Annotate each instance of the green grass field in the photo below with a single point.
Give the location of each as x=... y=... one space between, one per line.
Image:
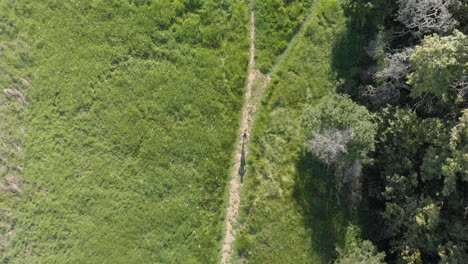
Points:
x=276 y=21
x=132 y=113
x=289 y=206
x=118 y=119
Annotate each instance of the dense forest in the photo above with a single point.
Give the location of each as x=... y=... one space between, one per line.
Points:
x=119 y=121
x=414 y=81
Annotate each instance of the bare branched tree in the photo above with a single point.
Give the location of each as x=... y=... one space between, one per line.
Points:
x=380 y=95
x=427 y=16
x=354 y=185
x=377 y=47
x=393 y=76
x=425 y=103
x=348 y=182
x=461 y=86
x=397 y=66
x=329 y=145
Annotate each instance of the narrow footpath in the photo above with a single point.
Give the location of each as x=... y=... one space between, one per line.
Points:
x=239 y=170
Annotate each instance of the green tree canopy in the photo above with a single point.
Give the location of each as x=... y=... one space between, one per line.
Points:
x=358 y=251
x=338 y=117
x=423 y=162
x=438 y=63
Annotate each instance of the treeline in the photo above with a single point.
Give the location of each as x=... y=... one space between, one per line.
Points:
x=402 y=155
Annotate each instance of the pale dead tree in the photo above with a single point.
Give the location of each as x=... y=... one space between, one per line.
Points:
x=393 y=77
x=348 y=179
x=330 y=145
x=397 y=66
x=352 y=179
x=460 y=86
x=380 y=95
x=427 y=16
x=426 y=103
x=377 y=47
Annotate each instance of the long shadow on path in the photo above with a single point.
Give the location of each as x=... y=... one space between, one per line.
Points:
x=242 y=167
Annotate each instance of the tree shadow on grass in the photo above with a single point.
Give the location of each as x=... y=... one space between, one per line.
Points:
x=325 y=219
x=349 y=58
x=351 y=63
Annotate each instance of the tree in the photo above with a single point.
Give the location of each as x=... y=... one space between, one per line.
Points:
x=438 y=64
x=357 y=251
x=341 y=134
x=391 y=76
x=340 y=128
x=455 y=168
x=396 y=66
x=330 y=145
x=423 y=164
x=428 y=16
x=451 y=253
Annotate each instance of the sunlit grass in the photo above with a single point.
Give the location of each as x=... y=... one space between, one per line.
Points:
x=133 y=112
x=290 y=209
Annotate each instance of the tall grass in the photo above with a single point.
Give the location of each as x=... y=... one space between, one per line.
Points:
x=133 y=111
x=276 y=21
x=290 y=210
x=14 y=55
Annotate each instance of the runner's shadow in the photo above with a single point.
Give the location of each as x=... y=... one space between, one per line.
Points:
x=242 y=167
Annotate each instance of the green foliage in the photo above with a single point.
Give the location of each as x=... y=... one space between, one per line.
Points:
x=14 y=57
x=456 y=164
x=364 y=13
x=363 y=20
x=423 y=204
x=451 y=254
x=417 y=183
x=288 y=207
x=117 y=121
x=276 y=23
x=341 y=133
x=132 y=115
x=358 y=251
x=339 y=112
x=438 y=62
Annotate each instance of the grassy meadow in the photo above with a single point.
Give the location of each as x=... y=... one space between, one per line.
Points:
x=276 y=22
x=131 y=115
x=118 y=120
x=289 y=206
x=14 y=55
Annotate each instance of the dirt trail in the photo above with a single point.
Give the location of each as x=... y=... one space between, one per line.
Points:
x=251 y=100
